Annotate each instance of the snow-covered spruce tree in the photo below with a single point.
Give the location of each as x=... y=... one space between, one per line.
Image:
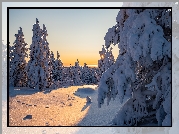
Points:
x=107 y=59
x=94 y=75
x=67 y=76
x=59 y=66
x=85 y=74
x=17 y=62
x=53 y=71
x=142 y=70
x=47 y=58
x=58 y=72
x=76 y=74
x=89 y=75
x=101 y=61
x=64 y=76
x=97 y=74
x=33 y=62
x=37 y=65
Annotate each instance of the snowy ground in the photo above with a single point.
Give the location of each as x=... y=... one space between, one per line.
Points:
x=91 y=114
x=61 y=107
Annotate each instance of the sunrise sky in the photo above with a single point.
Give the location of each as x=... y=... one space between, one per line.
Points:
x=74 y=33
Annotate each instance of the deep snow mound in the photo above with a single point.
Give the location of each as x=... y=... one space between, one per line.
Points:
x=84 y=92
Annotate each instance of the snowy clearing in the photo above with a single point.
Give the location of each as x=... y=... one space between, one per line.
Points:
x=61 y=107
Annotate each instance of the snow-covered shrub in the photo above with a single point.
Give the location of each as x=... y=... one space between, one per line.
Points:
x=142 y=70
x=17 y=62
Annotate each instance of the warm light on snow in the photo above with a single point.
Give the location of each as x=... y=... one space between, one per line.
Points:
x=59 y=107
x=102 y=56
x=75 y=105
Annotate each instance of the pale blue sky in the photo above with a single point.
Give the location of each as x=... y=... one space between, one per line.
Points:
x=75 y=33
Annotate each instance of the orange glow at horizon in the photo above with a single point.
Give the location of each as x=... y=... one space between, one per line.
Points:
x=70 y=56
x=71 y=60
x=70 y=32
x=89 y=62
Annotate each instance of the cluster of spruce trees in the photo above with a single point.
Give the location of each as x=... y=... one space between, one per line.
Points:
x=42 y=69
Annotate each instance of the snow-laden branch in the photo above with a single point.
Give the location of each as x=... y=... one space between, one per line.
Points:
x=143 y=66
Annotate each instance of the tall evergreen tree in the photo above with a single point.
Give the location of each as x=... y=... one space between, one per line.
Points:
x=53 y=71
x=33 y=64
x=18 y=53
x=59 y=70
x=38 y=64
x=47 y=58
